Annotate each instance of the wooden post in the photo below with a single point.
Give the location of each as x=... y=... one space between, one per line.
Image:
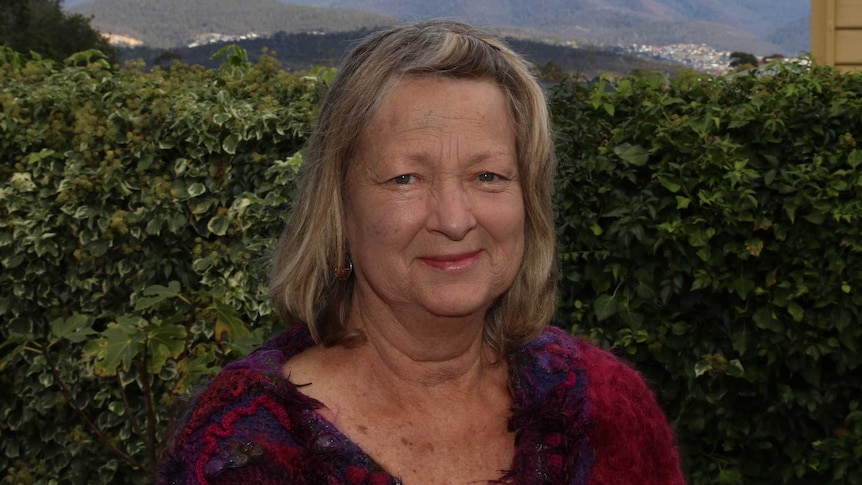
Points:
x=836 y=33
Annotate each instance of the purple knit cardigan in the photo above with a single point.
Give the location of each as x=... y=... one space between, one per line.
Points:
x=253 y=426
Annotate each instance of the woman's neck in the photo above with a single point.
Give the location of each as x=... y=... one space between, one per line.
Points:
x=423 y=354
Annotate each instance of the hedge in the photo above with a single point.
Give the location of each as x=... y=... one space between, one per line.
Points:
x=709 y=232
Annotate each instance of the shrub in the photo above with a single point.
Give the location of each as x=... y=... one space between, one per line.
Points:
x=136 y=208
x=711 y=231
x=708 y=226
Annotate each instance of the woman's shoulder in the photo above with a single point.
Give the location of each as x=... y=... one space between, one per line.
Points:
x=633 y=440
x=248 y=408
x=629 y=436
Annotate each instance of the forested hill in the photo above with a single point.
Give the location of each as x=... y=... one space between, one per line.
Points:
x=765 y=25
x=759 y=26
x=301 y=51
x=173 y=23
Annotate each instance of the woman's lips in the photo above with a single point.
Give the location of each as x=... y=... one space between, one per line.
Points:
x=451 y=262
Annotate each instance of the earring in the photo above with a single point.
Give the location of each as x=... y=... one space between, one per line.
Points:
x=345 y=271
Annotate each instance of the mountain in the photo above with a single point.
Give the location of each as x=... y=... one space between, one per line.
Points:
x=300 y=51
x=770 y=25
x=172 y=23
x=762 y=27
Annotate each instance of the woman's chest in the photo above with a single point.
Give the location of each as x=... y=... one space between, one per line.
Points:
x=437 y=453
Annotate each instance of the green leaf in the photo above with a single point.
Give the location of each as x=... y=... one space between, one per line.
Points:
x=196 y=189
x=795 y=311
x=815 y=217
x=218 y=225
x=764 y=319
x=117 y=346
x=635 y=155
x=221 y=118
x=156 y=294
x=230 y=143
x=702 y=367
x=75 y=329
x=605 y=307
x=735 y=369
x=742 y=286
x=671 y=185
x=228 y=323
x=164 y=341
x=682 y=202
x=38 y=157
x=202 y=264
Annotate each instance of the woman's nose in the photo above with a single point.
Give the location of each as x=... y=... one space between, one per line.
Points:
x=452 y=210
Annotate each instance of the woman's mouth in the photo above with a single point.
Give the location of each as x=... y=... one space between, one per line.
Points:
x=451 y=262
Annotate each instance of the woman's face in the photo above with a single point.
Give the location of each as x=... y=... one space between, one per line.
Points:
x=435 y=212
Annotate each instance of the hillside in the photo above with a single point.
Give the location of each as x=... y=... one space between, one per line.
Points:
x=626 y=21
x=690 y=32
x=300 y=51
x=171 y=23
x=759 y=26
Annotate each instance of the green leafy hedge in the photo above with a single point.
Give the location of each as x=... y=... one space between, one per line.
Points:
x=708 y=226
x=711 y=230
x=136 y=211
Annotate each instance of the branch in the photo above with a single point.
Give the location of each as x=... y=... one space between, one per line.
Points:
x=86 y=419
x=131 y=418
x=151 y=417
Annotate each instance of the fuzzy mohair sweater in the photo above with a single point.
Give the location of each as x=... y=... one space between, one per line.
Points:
x=580 y=416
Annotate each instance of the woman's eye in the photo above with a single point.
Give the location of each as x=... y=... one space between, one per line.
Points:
x=488 y=177
x=403 y=179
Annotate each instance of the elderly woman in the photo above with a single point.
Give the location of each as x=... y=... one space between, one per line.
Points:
x=418 y=273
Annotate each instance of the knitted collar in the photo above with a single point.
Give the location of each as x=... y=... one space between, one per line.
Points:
x=549 y=414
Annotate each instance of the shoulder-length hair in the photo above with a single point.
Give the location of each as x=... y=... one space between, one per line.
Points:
x=303 y=284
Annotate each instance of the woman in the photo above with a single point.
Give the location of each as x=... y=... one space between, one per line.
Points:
x=417 y=273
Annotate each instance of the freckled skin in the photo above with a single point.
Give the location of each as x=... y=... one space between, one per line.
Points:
x=435 y=211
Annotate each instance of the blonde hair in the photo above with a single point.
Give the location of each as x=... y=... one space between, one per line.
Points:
x=303 y=285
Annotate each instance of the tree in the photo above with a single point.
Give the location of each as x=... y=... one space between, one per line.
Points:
x=41 y=26
x=552 y=72
x=741 y=60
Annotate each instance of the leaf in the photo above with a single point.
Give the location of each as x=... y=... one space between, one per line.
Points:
x=37 y=157
x=702 y=367
x=735 y=369
x=196 y=189
x=218 y=225
x=228 y=323
x=117 y=346
x=605 y=307
x=764 y=319
x=75 y=329
x=739 y=341
x=221 y=118
x=682 y=202
x=670 y=185
x=742 y=286
x=156 y=294
x=202 y=264
x=632 y=154
x=230 y=143
x=164 y=341
x=795 y=311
